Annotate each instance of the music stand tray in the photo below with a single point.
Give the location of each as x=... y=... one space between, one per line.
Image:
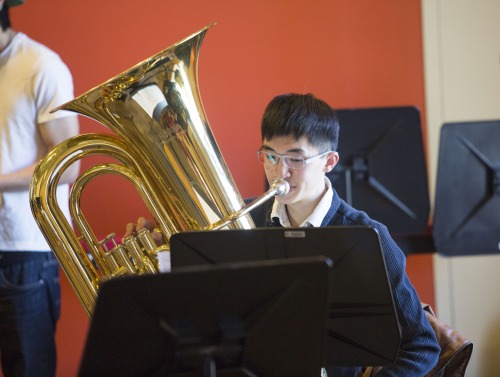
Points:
x=382 y=168
x=363 y=327
x=265 y=318
x=467 y=205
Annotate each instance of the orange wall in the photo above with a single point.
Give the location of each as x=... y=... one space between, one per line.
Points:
x=351 y=53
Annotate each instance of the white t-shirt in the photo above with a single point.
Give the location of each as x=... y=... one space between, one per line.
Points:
x=33 y=81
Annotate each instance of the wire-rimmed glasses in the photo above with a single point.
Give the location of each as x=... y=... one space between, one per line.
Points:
x=293 y=162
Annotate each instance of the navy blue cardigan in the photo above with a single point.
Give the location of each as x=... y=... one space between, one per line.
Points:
x=419 y=350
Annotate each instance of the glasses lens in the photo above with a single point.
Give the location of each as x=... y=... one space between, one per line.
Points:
x=268 y=158
x=294 y=162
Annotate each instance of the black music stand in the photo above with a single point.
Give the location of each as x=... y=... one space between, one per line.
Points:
x=363 y=328
x=259 y=319
x=382 y=168
x=467 y=207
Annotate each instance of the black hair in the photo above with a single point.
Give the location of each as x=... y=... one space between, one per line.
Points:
x=4 y=17
x=301 y=115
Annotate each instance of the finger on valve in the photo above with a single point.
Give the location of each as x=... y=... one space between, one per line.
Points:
x=131 y=229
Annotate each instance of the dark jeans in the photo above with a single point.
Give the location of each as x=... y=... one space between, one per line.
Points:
x=30 y=300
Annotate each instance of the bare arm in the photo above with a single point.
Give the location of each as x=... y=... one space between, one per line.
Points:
x=53 y=132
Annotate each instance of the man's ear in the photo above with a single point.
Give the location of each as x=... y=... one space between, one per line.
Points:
x=331 y=161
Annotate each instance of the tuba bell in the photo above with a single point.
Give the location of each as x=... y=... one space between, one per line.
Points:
x=163 y=145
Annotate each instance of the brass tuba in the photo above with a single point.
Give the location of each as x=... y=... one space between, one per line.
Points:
x=164 y=146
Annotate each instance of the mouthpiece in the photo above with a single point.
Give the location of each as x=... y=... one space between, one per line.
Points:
x=281 y=186
x=277 y=186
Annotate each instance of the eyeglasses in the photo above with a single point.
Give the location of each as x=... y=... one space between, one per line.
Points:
x=293 y=162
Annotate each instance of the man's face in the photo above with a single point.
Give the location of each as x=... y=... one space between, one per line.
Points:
x=307 y=184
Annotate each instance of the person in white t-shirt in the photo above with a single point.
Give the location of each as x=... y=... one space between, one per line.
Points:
x=33 y=81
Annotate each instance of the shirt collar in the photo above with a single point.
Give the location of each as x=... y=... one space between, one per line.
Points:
x=315 y=218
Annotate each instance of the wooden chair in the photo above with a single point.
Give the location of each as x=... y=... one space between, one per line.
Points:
x=456 y=350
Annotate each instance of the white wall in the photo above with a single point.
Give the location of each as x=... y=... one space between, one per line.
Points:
x=462 y=79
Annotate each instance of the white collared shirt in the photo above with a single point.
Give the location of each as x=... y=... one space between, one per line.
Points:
x=315 y=218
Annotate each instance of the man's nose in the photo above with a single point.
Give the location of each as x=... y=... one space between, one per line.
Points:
x=282 y=170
